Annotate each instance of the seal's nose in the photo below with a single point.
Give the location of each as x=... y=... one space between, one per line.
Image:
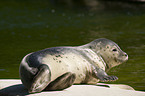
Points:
x=125 y=54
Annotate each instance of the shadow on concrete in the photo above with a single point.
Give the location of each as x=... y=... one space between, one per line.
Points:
x=15 y=90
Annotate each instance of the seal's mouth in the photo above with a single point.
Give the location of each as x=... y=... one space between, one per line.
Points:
x=121 y=60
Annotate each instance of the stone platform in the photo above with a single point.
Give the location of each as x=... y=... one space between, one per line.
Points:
x=14 y=87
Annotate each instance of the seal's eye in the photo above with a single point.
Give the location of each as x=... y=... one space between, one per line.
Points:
x=114 y=50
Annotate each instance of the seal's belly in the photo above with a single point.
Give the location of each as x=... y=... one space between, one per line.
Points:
x=60 y=64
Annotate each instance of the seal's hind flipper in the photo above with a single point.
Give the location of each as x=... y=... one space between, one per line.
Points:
x=41 y=80
x=62 y=82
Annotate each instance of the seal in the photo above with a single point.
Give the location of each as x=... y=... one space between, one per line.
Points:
x=58 y=68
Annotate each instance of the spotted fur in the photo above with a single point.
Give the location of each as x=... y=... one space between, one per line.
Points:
x=74 y=65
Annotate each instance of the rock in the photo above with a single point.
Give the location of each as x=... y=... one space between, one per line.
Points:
x=14 y=87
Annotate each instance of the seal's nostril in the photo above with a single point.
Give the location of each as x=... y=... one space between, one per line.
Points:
x=125 y=54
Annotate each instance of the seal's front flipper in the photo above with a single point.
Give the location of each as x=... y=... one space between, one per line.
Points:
x=62 y=82
x=41 y=80
x=102 y=75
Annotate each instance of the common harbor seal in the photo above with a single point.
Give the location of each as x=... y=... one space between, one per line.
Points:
x=58 y=68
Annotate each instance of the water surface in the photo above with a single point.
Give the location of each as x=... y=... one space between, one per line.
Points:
x=28 y=26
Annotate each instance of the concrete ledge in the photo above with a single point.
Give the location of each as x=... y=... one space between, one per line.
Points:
x=14 y=87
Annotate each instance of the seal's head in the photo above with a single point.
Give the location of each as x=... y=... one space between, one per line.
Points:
x=109 y=51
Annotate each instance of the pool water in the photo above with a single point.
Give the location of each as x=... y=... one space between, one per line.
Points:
x=28 y=26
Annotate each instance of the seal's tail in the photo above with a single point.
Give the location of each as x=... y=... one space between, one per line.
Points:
x=41 y=80
x=34 y=75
